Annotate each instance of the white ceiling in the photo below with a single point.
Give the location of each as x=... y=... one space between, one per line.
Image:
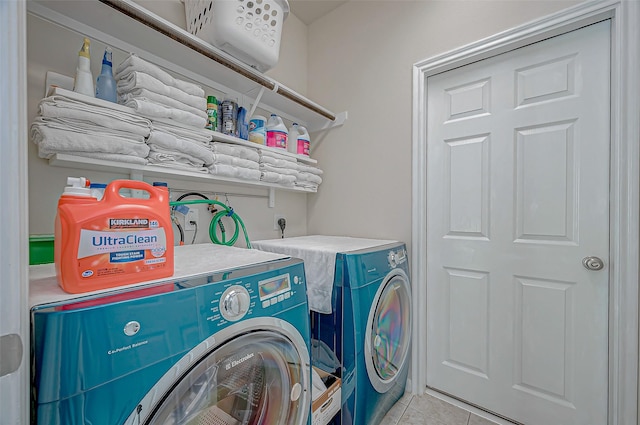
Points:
x=310 y=10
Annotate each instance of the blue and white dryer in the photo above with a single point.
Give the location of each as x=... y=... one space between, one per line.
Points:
x=376 y=336
x=226 y=345
x=368 y=327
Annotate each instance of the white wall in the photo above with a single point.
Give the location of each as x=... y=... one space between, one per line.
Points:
x=56 y=49
x=360 y=60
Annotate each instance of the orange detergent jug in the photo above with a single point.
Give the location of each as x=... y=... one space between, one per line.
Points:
x=114 y=241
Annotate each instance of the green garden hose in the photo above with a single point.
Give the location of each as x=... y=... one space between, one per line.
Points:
x=225 y=212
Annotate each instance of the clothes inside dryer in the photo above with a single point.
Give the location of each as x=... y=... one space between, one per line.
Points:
x=253 y=379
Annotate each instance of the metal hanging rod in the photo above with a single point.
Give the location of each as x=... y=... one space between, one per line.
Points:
x=220 y=194
x=137 y=13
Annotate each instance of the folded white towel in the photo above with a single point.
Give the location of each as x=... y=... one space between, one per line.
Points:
x=319 y=255
x=306 y=185
x=173 y=160
x=220 y=158
x=144 y=94
x=233 y=171
x=115 y=157
x=52 y=140
x=310 y=178
x=197 y=135
x=235 y=150
x=139 y=80
x=160 y=154
x=287 y=171
x=277 y=155
x=180 y=166
x=276 y=162
x=135 y=63
x=62 y=107
x=173 y=143
x=283 y=179
x=309 y=169
x=151 y=109
x=84 y=126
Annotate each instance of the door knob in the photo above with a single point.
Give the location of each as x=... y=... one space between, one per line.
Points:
x=592 y=263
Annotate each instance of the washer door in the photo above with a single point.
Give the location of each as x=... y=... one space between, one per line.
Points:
x=388 y=333
x=258 y=377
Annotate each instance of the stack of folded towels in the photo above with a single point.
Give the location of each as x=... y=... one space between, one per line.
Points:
x=154 y=93
x=69 y=126
x=230 y=160
x=276 y=168
x=178 y=147
x=308 y=177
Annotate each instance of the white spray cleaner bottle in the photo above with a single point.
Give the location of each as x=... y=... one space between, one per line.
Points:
x=84 y=79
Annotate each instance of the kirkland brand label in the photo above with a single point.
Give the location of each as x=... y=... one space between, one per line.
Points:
x=129 y=223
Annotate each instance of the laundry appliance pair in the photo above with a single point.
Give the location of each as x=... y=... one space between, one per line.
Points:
x=360 y=299
x=225 y=341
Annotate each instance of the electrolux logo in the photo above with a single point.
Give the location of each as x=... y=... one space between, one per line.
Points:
x=241 y=360
x=128 y=223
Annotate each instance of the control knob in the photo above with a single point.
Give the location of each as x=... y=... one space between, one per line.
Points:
x=234 y=303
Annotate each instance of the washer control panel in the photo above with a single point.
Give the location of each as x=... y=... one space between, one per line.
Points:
x=234 y=303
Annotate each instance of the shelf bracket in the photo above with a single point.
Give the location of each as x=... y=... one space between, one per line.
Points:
x=256 y=102
x=272 y=197
x=341 y=118
x=136 y=175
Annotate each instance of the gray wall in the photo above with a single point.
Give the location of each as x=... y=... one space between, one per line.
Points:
x=360 y=60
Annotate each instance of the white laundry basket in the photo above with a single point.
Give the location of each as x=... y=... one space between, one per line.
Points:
x=249 y=30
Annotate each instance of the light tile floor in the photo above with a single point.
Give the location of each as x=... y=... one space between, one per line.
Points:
x=428 y=410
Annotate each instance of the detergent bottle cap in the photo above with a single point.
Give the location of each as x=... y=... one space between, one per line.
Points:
x=78 y=186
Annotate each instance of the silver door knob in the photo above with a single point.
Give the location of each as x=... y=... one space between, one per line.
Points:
x=592 y=263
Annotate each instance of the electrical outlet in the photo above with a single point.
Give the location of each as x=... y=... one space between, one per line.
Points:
x=277 y=217
x=192 y=215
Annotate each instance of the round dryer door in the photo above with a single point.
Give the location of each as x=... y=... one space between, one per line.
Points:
x=257 y=378
x=388 y=334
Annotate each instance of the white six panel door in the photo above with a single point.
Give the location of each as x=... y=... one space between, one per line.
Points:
x=517 y=196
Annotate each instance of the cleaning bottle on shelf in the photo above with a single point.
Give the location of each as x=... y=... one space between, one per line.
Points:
x=292 y=144
x=83 y=82
x=303 y=141
x=105 y=83
x=298 y=140
x=258 y=130
x=277 y=133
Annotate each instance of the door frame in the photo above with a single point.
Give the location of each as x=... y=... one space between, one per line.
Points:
x=624 y=185
x=14 y=227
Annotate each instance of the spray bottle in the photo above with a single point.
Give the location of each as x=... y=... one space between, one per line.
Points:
x=84 y=79
x=105 y=83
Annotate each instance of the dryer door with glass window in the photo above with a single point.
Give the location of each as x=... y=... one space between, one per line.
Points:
x=388 y=333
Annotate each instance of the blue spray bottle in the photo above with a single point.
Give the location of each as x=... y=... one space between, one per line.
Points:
x=105 y=83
